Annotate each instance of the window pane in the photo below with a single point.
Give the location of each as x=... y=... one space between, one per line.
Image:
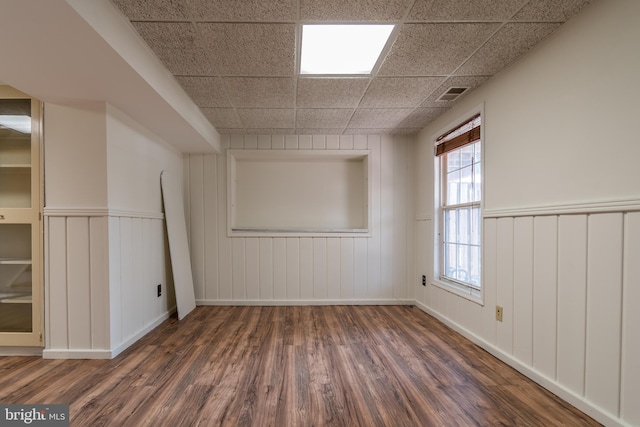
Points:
x=462 y=272
x=463 y=226
x=450 y=218
x=453 y=188
x=466 y=185
x=477 y=184
x=477 y=152
x=474 y=272
x=450 y=259
x=453 y=160
x=466 y=155
x=474 y=232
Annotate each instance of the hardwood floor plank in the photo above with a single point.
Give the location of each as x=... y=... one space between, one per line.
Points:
x=292 y=366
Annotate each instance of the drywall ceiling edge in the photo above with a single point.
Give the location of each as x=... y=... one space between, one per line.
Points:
x=69 y=51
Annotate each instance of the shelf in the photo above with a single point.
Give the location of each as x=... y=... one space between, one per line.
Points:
x=15 y=261
x=15 y=166
x=23 y=299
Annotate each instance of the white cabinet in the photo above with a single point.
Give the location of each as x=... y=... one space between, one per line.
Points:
x=20 y=220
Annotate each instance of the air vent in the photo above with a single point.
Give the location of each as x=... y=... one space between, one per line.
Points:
x=452 y=93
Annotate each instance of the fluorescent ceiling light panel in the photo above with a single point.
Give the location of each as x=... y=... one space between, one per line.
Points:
x=19 y=123
x=342 y=49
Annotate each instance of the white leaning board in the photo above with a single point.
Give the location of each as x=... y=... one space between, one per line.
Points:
x=178 y=245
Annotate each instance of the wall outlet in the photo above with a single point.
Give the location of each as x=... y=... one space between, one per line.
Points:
x=424 y=280
x=498 y=313
x=159 y=290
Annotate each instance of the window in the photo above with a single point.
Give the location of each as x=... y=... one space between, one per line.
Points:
x=459 y=153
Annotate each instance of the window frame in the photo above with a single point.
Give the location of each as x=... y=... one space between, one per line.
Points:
x=468 y=291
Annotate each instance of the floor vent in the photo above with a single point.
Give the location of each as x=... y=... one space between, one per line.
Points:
x=452 y=93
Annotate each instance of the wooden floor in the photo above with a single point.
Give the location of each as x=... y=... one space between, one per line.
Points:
x=292 y=366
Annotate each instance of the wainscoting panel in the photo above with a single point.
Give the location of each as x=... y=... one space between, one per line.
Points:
x=523 y=289
x=604 y=308
x=101 y=281
x=572 y=300
x=308 y=270
x=490 y=267
x=570 y=286
x=545 y=288
x=504 y=297
x=630 y=375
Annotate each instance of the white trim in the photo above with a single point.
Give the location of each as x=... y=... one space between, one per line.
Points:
x=269 y=303
x=76 y=354
x=628 y=205
x=565 y=394
x=20 y=351
x=100 y=212
x=438 y=220
x=142 y=332
x=463 y=291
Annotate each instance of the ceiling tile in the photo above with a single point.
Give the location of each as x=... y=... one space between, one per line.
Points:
x=260 y=92
x=466 y=81
x=421 y=117
x=153 y=10
x=378 y=117
x=550 y=10
x=399 y=92
x=266 y=118
x=323 y=118
x=354 y=10
x=251 y=49
x=177 y=45
x=245 y=10
x=330 y=92
x=205 y=91
x=223 y=117
x=456 y=10
x=433 y=49
x=505 y=47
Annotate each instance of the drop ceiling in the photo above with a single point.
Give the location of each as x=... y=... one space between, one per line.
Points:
x=238 y=60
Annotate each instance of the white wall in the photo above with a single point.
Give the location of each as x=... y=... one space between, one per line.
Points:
x=561 y=227
x=103 y=260
x=75 y=153
x=313 y=270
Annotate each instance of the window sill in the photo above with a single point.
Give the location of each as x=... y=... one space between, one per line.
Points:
x=464 y=292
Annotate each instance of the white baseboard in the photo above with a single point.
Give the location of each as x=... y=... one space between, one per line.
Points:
x=268 y=303
x=565 y=394
x=144 y=331
x=106 y=353
x=65 y=353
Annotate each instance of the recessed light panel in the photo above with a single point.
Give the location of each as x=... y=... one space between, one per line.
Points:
x=342 y=49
